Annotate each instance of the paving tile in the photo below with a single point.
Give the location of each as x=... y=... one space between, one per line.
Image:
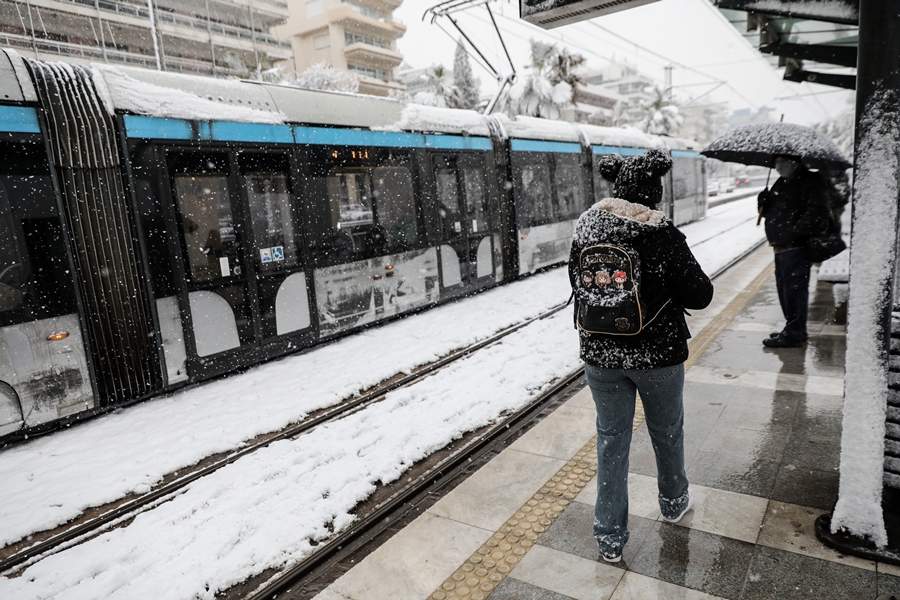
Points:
x=806 y=487
x=560 y=435
x=582 y=399
x=813 y=452
x=497 y=490
x=791 y=527
x=329 y=594
x=757 y=417
x=643 y=495
x=779 y=574
x=736 y=516
x=733 y=473
x=888 y=583
x=400 y=568
x=888 y=569
x=764 y=444
x=573 y=533
x=635 y=586
x=694 y=559
x=571 y=576
x=513 y=589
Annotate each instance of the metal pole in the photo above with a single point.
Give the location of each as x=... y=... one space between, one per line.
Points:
x=153 y=34
x=102 y=36
x=873 y=263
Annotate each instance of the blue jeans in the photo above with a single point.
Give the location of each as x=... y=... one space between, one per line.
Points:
x=792 y=280
x=662 y=392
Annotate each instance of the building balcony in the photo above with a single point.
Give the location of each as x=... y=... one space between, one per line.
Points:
x=344 y=14
x=377 y=87
x=382 y=58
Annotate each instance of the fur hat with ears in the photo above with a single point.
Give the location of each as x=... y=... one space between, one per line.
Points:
x=637 y=178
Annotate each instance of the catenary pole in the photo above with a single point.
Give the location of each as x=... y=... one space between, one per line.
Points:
x=873 y=265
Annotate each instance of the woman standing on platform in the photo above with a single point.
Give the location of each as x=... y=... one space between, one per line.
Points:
x=650 y=360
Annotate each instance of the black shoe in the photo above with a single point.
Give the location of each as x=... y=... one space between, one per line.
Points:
x=775 y=334
x=782 y=342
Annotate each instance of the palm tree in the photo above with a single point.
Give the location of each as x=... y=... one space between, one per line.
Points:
x=440 y=91
x=547 y=86
x=659 y=115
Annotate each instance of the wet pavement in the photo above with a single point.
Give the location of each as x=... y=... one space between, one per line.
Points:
x=762 y=447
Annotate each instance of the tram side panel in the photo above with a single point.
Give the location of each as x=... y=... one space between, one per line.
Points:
x=550 y=191
x=44 y=374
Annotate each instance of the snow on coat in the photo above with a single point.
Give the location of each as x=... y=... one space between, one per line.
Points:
x=669 y=272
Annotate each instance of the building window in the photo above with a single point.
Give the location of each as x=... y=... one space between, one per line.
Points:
x=358 y=38
x=367 y=11
x=322 y=41
x=314 y=8
x=368 y=71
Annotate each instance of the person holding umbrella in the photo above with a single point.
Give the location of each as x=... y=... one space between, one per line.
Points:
x=797 y=206
x=796 y=209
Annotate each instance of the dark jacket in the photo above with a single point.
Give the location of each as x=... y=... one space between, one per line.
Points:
x=669 y=271
x=795 y=208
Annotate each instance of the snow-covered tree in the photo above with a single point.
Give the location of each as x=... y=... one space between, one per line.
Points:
x=839 y=130
x=325 y=77
x=659 y=115
x=545 y=88
x=463 y=79
x=440 y=91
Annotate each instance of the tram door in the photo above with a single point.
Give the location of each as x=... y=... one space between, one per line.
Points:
x=245 y=281
x=466 y=251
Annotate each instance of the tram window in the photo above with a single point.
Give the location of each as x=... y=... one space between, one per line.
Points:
x=35 y=274
x=395 y=207
x=209 y=232
x=602 y=187
x=272 y=218
x=12 y=270
x=476 y=212
x=372 y=212
x=534 y=200
x=569 y=186
x=448 y=198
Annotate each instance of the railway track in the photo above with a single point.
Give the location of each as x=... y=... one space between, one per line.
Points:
x=379 y=519
x=131 y=508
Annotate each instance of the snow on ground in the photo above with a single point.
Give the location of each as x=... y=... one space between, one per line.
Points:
x=263 y=510
x=736 y=221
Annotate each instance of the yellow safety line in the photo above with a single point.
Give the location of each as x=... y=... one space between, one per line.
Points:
x=490 y=564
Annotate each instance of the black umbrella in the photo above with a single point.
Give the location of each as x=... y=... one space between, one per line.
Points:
x=760 y=143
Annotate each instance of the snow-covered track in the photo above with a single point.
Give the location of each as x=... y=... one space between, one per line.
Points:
x=417 y=494
x=123 y=512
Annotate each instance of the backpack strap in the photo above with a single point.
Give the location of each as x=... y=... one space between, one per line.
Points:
x=656 y=314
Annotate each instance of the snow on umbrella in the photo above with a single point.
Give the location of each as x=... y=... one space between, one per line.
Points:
x=760 y=143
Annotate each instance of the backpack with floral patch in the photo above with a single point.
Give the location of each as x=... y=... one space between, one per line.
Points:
x=607 y=291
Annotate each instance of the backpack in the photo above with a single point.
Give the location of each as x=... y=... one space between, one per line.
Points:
x=607 y=292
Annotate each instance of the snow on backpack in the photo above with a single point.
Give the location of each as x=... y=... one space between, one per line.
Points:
x=607 y=292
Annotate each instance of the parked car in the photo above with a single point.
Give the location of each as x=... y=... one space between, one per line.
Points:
x=726 y=186
x=712 y=187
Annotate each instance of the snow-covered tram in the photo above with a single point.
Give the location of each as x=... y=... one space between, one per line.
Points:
x=159 y=229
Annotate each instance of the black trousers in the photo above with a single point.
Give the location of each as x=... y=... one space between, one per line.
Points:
x=792 y=280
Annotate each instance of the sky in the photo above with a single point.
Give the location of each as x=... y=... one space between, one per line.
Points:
x=692 y=35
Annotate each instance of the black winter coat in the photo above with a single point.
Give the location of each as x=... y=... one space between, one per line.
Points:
x=795 y=208
x=669 y=271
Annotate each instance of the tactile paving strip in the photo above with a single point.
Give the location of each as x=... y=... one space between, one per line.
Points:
x=484 y=570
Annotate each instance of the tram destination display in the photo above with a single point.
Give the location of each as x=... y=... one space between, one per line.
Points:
x=553 y=13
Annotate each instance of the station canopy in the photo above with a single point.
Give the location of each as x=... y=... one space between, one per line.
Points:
x=814 y=40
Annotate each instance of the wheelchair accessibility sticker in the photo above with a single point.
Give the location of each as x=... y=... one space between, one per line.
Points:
x=273 y=254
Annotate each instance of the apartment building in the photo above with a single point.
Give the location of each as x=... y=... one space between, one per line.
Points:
x=358 y=36
x=211 y=37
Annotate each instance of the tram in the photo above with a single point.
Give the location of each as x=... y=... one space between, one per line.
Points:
x=160 y=229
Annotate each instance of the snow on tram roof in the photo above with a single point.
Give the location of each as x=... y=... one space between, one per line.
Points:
x=534 y=128
x=628 y=137
x=416 y=117
x=178 y=96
